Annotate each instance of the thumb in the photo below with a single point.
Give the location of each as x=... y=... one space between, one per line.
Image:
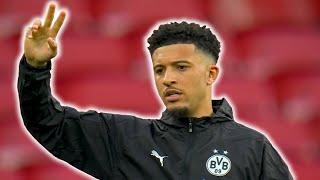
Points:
x=52 y=44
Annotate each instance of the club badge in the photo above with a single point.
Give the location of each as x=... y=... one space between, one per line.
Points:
x=219 y=164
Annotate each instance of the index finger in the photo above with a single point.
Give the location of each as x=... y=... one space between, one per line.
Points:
x=50 y=15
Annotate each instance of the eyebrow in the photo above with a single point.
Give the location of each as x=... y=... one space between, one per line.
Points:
x=175 y=62
x=158 y=65
x=181 y=61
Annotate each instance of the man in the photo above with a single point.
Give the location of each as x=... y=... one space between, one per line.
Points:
x=196 y=138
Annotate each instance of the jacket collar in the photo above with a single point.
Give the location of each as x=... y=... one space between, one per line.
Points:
x=222 y=112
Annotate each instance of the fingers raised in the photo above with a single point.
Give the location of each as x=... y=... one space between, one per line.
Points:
x=36 y=27
x=29 y=33
x=52 y=44
x=36 y=24
x=50 y=15
x=58 y=23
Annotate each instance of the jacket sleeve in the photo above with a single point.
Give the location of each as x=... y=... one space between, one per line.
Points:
x=86 y=140
x=273 y=166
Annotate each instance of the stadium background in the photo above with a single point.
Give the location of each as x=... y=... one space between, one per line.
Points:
x=271 y=70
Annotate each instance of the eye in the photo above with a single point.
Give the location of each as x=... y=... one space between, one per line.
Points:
x=158 y=70
x=181 y=67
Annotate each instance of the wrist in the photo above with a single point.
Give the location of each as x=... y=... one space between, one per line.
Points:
x=36 y=64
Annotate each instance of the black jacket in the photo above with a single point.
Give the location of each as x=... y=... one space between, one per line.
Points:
x=114 y=146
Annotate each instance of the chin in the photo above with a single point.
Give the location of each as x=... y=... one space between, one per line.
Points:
x=178 y=110
x=175 y=105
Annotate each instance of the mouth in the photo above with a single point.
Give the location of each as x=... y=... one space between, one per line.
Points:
x=172 y=95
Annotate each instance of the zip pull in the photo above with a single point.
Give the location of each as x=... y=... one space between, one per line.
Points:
x=190 y=126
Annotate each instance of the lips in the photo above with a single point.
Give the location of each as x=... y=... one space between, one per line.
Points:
x=172 y=95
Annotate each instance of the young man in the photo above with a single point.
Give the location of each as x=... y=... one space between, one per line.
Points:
x=196 y=137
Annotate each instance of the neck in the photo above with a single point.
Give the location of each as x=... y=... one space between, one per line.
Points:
x=203 y=110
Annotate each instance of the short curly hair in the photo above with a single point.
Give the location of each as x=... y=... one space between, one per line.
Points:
x=174 y=33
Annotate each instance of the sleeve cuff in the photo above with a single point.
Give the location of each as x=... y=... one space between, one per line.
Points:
x=29 y=71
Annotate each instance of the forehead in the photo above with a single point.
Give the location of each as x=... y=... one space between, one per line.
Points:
x=174 y=52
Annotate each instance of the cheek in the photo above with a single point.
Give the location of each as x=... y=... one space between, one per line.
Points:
x=196 y=84
x=158 y=86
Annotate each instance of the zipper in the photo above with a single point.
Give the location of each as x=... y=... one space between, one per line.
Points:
x=190 y=125
x=189 y=142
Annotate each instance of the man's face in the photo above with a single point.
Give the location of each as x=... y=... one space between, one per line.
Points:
x=183 y=76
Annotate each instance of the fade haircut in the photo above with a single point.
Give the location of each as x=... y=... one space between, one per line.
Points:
x=175 y=33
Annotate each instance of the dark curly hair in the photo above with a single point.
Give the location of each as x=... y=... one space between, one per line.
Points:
x=174 y=32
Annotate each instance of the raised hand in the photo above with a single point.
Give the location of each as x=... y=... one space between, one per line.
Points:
x=40 y=42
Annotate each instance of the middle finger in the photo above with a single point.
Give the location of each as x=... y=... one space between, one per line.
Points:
x=50 y=15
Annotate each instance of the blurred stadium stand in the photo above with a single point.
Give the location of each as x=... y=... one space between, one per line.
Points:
x=271 y=70
x=125 y=94
x=80 y=54
x=251 y=99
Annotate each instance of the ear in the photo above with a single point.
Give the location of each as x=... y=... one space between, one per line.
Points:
x=213 y=74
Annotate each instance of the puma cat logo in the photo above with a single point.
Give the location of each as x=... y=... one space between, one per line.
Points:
x=155 y=154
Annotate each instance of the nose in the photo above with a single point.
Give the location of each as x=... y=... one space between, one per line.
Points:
x=169 y=78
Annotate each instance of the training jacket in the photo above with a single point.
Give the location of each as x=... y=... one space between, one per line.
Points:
x=115 y=146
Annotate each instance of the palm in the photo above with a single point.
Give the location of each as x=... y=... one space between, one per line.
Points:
x=39 y=44
x=37 y=48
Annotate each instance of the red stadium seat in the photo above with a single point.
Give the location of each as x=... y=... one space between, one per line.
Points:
x=15 y=14
x=282 y=12
x=50 y=171
x=11 y=175
x=15 y=7
x=271 y=52
x=12 y=134
x=8 y=103
x=316 y=8
x=251 y=99
x=16 y=149
x=294 y=139
x=21 y=159
x=306 y=171
x=80 y=16
x=92 y=55
x=247 y=15
x=116 y=94
x=9 y=53
x=122 y=17
x=139 y=10
x=298 y=96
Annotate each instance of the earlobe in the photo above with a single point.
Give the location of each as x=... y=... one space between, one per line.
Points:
x=213 y=74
